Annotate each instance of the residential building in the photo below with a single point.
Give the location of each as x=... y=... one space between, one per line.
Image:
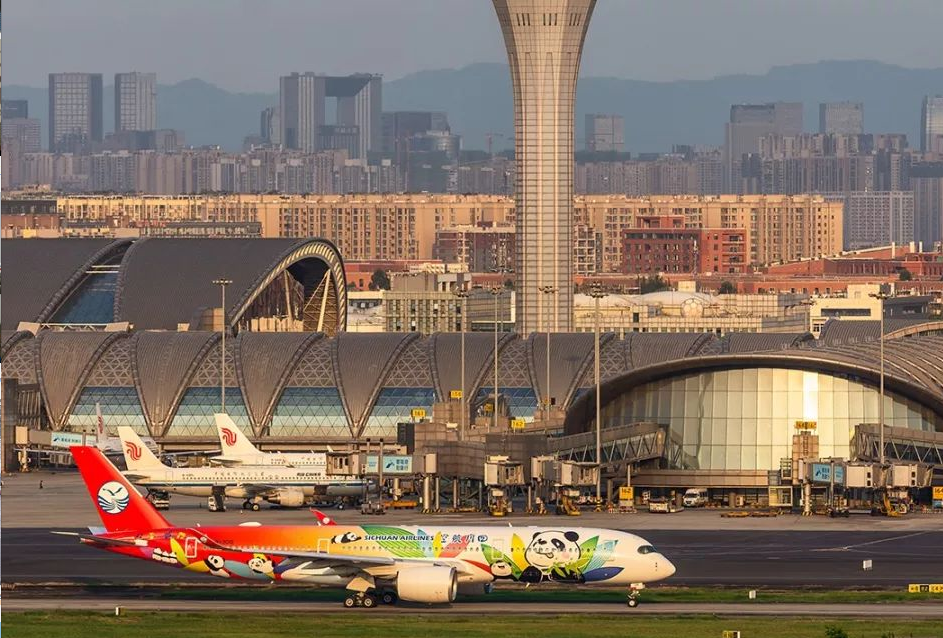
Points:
x=926 y=179
x=876 y=218
x=23 y=129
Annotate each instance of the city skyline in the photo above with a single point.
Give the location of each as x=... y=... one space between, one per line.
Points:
x=311 y=33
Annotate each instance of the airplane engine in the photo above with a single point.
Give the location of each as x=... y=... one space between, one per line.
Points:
x=287 y=497
x=434 y=584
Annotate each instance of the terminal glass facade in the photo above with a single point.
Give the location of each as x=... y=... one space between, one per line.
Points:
x=395 y=405
x=310 y=412
x=119 y=406
x=194 y=416
x=522 y=402
x=744 y=419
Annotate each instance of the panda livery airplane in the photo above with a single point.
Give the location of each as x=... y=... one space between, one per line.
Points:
x=285 y=486
x=239 y=450
x=375 y=563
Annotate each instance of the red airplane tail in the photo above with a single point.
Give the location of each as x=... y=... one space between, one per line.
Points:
x=120 y=506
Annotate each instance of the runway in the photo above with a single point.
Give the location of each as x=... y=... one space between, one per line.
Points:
x=911 y=611
x=758 y=558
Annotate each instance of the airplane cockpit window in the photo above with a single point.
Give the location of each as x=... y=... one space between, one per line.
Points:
x=646 y=549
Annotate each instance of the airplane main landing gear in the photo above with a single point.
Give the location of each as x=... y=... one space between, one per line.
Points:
x=360 y=599
x=251 y=505
x=389 y=597
x=635 y=590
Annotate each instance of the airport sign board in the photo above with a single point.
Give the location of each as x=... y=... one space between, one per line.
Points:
x=518 y=424
x=392 y=464
x=821 y=473
x=68 y=439
x=455 y=394
x=806 y=425
x=418 y=413
x=626 y=493
x=938 y=493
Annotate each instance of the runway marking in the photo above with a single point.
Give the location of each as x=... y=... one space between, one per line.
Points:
x=848 y=548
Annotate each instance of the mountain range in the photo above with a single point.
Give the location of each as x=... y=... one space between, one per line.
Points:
x=657 y=114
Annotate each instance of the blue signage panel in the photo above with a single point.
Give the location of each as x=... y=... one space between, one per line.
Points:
x=392 y=464
x=840 y=474
x=821 y=473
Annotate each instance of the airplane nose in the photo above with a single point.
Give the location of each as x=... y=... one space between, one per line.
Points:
x=669 y=567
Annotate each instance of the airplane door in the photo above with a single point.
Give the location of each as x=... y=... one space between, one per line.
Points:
x=324 y=545
x=191 y=547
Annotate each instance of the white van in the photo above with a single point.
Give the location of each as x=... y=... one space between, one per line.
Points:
x=695 y=497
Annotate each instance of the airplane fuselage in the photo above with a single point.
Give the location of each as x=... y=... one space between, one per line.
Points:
x=243 y=482
x=480 y=554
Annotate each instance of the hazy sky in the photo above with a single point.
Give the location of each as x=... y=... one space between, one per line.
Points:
x=246 y=44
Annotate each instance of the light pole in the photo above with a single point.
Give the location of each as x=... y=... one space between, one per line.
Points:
x=462 y=300
x=548 y=291
x=881 y=296
x=597 y=293
x=222 y=283
x=495 y=292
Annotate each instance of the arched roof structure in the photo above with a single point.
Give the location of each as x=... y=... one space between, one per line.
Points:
x=160 y=283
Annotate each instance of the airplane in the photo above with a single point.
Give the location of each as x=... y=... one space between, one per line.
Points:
x=285 y=486
x=237 y=450
x=111 y=445
x=374 y=563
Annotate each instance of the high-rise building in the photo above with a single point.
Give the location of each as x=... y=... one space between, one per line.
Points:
x=304 y=118
x=544 y=40
x=23 y=129
x=841 y=118
x=748 y=124
x=926 y=179
x=14 y=108
x=135 y=101
x=75 y=111
x=270 y=126
x=931 y=124
x=876 y=218
x=604 y=133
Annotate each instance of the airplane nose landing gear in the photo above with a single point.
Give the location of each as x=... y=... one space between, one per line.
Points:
x=635 y=590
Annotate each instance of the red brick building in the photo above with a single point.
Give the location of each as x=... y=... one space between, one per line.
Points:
x=662 y=244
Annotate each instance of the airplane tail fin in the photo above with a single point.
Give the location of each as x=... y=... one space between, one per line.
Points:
x=119 y=505
x=136 y=454
x=100 y=436
x=231 y=438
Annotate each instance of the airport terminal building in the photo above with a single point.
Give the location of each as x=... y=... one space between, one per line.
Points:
x=105 y=326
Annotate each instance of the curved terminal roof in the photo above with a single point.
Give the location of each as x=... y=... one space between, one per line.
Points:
x=913 y=367
x=162 y=365
x=40 y=273
x=162 y=283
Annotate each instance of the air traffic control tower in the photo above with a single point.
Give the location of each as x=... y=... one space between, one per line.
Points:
x=544 y=39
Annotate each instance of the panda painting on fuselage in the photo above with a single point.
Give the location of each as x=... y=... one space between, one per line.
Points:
x=548 y=550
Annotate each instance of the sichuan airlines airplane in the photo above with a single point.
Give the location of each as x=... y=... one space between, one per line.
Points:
x=375 y=563
x=286 y=486
x=238 y=450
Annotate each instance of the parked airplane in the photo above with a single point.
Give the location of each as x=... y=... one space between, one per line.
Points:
x=111 y=445
x=238 y=450
x=375 y=563
x=286 y=486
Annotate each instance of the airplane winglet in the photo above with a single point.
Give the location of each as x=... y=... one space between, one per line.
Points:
x=323 y=519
